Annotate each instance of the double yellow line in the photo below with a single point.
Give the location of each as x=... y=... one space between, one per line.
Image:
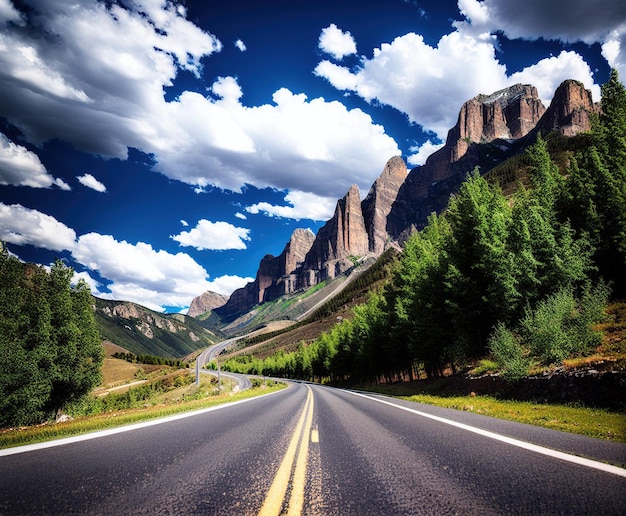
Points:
x=287 y=471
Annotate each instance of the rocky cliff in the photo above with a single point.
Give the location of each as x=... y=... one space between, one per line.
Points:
x=205 y=302
x=489 y=129
x=275 y=276
x=570 y=110
x=378 y=203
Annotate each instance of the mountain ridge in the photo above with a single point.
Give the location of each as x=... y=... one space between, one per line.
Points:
x=489 y=129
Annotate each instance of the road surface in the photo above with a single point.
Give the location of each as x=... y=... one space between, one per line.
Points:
x=317 y=450
x=210 y=354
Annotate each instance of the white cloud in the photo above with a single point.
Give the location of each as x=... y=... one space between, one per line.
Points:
x=21 y=167
x=140 y=273
x=548 y=73
x=8 y=13
x=22 y=226
x=337 y=43
x=421 y=153
x=184 y=222
x=302 y=205
x=427 y=83
x=91 y=182
x=241 y=45
x=226 y=285
x=213 y=236
x=103 y=92
x=554 y=20
x=600 y=21
x=430 y=83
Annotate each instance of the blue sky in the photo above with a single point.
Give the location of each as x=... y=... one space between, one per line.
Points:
x=163 y=148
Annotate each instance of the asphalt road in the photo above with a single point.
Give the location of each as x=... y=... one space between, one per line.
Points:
x=316 y=450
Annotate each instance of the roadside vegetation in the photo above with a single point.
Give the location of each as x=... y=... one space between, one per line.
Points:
x=520 y=281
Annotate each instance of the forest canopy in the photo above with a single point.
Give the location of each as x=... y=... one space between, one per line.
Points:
x=50 y=349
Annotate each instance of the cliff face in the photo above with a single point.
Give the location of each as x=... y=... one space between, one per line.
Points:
x=489 y=129
x=378 y=203
x=505 y=115
x=275 y=276
x=570 y=110
x=344 y=235
x=205 y=302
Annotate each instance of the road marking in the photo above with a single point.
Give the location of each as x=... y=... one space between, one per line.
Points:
x=126 y=428
x=315 y=436
x=608 y=468
x=299 y=443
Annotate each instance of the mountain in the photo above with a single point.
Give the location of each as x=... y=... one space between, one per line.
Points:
x=143 y=331
x=489 y=130
x=274 y=277
x=206 y=302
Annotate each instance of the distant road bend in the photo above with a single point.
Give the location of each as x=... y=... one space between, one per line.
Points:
x=310 y=449
x=211 y=353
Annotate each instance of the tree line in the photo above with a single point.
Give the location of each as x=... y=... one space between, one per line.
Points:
x=523 y=278
x=50 y=350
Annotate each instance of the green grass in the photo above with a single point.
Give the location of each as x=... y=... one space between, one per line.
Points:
x=46 y=432
x=591 y=422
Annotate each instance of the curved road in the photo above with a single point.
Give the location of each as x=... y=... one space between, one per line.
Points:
x=211 y=353
x=317 y=450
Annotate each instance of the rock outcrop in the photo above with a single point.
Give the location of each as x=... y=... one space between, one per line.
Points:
x=276 y=275
x=489 y=129
x=206 y=302
x=503 y=116
x=378 y=203
x=570 y=110
x=340 y=240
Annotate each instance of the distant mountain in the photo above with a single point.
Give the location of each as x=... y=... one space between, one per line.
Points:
x=206 y=302
x=143 y=331
x=489 y=130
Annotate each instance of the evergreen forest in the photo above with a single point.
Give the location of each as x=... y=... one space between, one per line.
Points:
x=522 y=278
x=50 y=349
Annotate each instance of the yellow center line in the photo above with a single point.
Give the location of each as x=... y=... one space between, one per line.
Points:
x=296 y=501
x=276 y=495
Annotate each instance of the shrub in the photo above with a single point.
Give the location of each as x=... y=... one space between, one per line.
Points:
x=509 y=354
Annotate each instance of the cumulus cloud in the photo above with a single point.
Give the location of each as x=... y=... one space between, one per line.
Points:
x=140 y=273
x=430 y=83
x=420 y=153
x=241 y=45
x=21 y=226
x=601 y=21
x=91 y=182
x=102 y=91
x=226 y=285
x=184 y=222
x=213 y=236
x=241 y=216
x=337 y=43
x=301 y=205
x=563 y=20
x=21 y=167
x=8 y=13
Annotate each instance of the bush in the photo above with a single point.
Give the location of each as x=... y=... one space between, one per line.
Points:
x=561 y=326
x=509 y=354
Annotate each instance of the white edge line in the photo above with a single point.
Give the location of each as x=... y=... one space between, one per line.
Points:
x=125 y=428
x=608 y=468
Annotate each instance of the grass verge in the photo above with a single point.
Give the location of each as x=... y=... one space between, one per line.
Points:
x=591 y=422
x=47 y=432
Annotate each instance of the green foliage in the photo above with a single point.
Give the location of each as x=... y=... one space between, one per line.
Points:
x=561 y=325
x=507 y=275
x=509 y=354
x=50 y=351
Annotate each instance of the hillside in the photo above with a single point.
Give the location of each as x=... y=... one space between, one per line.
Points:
x=143 y=331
